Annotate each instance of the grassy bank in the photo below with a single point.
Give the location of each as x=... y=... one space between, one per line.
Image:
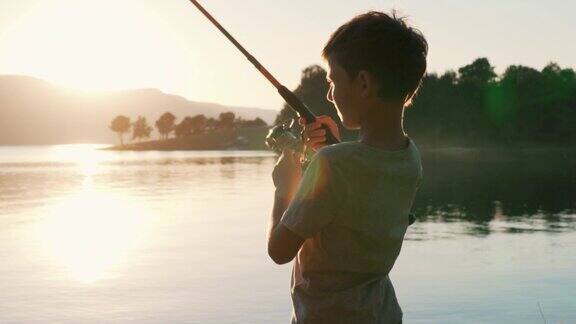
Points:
x=239 y=139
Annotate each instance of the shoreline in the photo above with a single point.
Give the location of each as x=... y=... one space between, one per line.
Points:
x=241 y=139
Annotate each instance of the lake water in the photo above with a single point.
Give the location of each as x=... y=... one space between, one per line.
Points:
x=89 y=236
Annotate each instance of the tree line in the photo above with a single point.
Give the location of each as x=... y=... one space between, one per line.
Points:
x=470 y=106
x=166 y=125
x=474 y=105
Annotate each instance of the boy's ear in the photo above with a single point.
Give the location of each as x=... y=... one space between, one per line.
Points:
x=366 y=83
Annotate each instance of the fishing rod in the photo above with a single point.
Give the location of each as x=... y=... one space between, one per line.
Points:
x=296 y=104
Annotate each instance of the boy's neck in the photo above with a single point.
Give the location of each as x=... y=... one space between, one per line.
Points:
x=382 y=127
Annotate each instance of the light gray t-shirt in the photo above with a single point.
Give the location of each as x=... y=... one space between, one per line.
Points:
x=352 y=206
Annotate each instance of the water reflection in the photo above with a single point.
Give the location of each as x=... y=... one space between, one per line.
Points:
x=90 y=232
x=90 y=209
x=471 y=192
x=527 y=192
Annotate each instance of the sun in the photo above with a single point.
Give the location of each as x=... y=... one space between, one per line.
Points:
x=94 y=45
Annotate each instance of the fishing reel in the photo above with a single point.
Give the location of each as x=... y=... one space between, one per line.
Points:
x=285 y=135
x=288 y=135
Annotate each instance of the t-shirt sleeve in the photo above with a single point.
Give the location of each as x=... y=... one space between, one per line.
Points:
x=313 y=205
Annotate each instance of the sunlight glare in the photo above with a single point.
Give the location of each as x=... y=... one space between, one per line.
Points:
x=85 y=156
x=92 y=231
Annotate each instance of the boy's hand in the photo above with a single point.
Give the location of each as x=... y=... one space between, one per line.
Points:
x=314 y=136
x=287 y=173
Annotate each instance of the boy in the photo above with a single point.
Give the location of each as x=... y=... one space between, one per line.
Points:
x=347 y=216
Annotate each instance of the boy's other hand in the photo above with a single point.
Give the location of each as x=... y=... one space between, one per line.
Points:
x=314 y=135
x=287 y=173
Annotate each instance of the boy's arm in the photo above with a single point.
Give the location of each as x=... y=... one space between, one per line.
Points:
x=301 y=208
x=283 y=244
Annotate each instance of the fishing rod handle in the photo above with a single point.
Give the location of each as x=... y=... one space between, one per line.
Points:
x=303 y=111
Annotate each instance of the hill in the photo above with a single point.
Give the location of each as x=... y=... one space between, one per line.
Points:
x=35 y=112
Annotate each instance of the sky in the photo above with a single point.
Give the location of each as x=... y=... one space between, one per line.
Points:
x=169 y=45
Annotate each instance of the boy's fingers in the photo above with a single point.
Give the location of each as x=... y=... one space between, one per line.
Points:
x=316 y=140
x=312 y=126
x=311 y=129
x=310 y=134
x=328 y=121
x=324 y=118
x=316 y=133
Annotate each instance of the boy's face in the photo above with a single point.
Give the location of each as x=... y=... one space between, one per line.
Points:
x=343 y=93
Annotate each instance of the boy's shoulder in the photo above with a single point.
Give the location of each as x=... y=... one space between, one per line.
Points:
x=354 y=156
x=338 y=151
x=347 y=149
x=339 y=158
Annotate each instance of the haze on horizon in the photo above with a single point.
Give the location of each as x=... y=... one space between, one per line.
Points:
x=106 y=44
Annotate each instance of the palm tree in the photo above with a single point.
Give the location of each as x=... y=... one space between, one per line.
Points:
x=120 y=125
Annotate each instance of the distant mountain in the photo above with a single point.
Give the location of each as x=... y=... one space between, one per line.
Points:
x=33 y=111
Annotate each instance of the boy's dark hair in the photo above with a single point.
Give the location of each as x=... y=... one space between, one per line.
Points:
x=385 y=46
